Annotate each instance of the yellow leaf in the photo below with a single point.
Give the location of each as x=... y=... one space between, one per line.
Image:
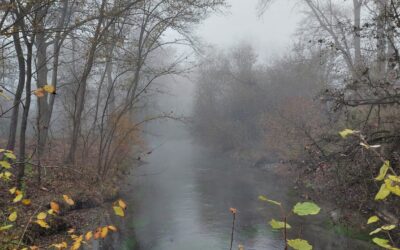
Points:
x=41 y=216
x=61 y=245
x=88 y=235
x=39 y=92
x=6 y=227
x=393 y=178
x=375 y=231
x=13 y=216
x=395 y=189
x=5 y=164
x=373 y=219
x=383 y=193
x=119 y=211
x=49 y=89
x=71 y=231
x=104 y=232
x=12 y=190
x=388 y=227
x=122 y=204
x=346 y=132
x=26 y=202
x=383 y=171
x=6 y=175
x=68 y=200
x=18 y=198
x=76 y=245
x=112 y=228
x=42 y=223
x=55 y=207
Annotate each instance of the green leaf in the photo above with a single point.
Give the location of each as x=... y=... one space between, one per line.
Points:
x=346 y=132
x=6 y=227
x=306 y=208
x=383 y=171
x=373 y=219
x=5 y=164
x=264 y=198
x=279 y=224
x=388 y=227
x=383 y=193
x=299 y=244
x=10 y=155
x=384 y=243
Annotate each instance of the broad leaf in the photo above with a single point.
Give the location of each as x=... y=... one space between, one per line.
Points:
x=26 y=202
x=10 y=155
x=42 y=223
x=392 y=187
x=122 y=204
x=382 y=172
x=55 y=207
x=346 y=132
x=373 y=219
x=383 y=193
x=41 y=216
x=299 y=244
x=104 y=232
x=306 y=208
x=279 y=224
x=388 y=227
x=13 y=216
x=119 y=211
x=5 y=164
x=49 y=89
x=384 y=243
x=18 y=198
x=88 y=235
x=68 y=200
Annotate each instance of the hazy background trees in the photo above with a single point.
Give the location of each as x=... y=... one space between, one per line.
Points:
x=342 y=72
x=75 y=74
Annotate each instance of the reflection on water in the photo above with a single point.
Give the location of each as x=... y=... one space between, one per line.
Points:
x=180 y=200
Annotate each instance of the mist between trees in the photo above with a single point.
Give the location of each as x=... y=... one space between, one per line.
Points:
x=342 y=71
x=76 y=76
x=100 y=57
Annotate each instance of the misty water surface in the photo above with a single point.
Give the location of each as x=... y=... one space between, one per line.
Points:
x=179 y=199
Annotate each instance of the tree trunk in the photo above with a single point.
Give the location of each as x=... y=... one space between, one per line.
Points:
x=24 y=122
x=81 y=92
x=18 y=94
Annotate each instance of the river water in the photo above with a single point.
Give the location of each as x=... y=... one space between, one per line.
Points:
x=179 y=199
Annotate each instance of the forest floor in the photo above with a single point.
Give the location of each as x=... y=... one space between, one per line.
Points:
x=92 y=204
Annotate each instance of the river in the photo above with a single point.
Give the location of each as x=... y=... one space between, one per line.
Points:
x=179 y=199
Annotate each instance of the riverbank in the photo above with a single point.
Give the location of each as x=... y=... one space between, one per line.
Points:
x=73 y=199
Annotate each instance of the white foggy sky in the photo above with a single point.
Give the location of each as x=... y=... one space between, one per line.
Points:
x=270 y=34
